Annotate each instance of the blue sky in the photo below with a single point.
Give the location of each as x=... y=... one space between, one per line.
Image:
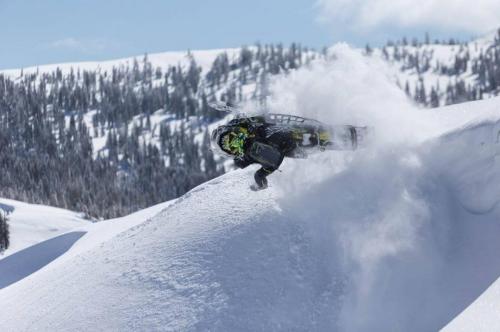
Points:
x=40 y=32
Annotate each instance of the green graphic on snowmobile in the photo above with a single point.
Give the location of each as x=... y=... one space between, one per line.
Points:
x=234 y=142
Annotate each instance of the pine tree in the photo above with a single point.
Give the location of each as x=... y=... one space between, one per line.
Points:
x=434 y=98
x=407 y=89
x=4 y=232
x=368 y=49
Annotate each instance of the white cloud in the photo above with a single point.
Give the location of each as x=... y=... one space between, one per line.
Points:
x=72 y=43
x=477 y=16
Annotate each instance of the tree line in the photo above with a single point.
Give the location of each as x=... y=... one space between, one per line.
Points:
x=50 y=123
x=415 y=57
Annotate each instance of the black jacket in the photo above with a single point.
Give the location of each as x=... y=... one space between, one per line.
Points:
x=267 y=145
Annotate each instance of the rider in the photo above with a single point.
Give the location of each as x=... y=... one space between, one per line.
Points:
x=249 y=144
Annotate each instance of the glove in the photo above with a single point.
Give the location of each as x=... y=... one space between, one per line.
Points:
x=260 y=178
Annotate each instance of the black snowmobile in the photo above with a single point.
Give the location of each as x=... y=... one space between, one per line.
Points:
x=268 y=139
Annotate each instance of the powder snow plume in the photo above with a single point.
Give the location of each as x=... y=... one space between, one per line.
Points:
x=349 y=88
x=382 y=211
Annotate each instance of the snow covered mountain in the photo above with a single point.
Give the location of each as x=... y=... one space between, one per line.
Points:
x=122 y=116
x=438 y=73
x=109 y=138
x=163 y=60
x=400 y=236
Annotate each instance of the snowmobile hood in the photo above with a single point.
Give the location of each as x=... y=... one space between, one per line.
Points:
x=216 y=141
x=228 y=141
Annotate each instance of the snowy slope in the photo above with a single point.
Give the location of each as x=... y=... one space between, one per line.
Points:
x=402 y=236
x=204 y=58
x=392 y=240
x=438 y=57
x=42 y=234
x=482 y=315
x=31 y=223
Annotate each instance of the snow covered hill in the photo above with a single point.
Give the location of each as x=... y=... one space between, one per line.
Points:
x=41 y=234
x=399 y=238
x=448 y=72
x=204 y=59
x=30 y=224
x=120 y=117
x=482 y=315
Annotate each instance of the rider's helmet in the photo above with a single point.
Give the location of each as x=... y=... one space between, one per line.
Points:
x=229 y=141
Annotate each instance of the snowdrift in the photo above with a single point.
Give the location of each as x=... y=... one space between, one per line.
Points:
x=399 y=238
x=31 y=224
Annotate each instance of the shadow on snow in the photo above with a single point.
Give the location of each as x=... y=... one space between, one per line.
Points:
x=25 y=262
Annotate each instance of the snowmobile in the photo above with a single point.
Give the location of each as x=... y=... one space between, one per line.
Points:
x=267 y=139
